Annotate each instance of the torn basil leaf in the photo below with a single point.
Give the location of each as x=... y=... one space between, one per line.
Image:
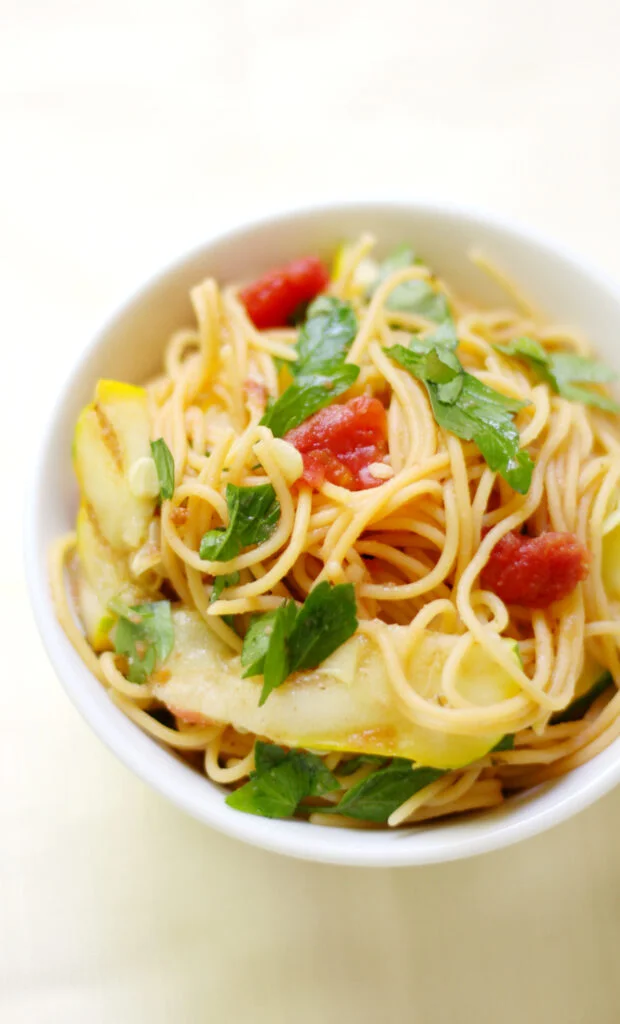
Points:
x=416 y=296
x=470 y=409
x=306 y=396
x=565 y=372
x=280 y=781
x=320 y=371
x=507 y=742
x=325 y=337
x=164 y=464
x=377 y=796
x=144 y=634
x=290 y=639
x=355 y=763
x=220 y=583
x=253 y=514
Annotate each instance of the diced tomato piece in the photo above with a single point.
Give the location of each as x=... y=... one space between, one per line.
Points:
x=339 y=443
x=322 y=465
x=536 y=571
x=272 y=300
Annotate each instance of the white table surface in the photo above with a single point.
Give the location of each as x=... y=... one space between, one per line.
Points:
x=127 y=130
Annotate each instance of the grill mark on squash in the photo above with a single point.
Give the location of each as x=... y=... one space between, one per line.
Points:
x=110 y=437
x=94 y=522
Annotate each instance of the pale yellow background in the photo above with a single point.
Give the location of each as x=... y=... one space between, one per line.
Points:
x=128 y=129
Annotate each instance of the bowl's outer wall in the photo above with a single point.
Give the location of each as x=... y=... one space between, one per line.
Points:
x=130 y=348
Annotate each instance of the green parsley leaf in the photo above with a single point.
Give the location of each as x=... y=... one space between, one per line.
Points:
x=578 y=707
x=326 y=619
x=221 y=582
x=355 y=763
x=219 y=585
x=164 y=464
x=277 y=663
x=507 y=742
x=564 y=372
x=379 y=794
x=470 y=409
x=256 y=643
x=401 y=257
x=290 y=639
x=306 y=396
x=416 y=296
x=320 y=371
x=282 y=779
x=144 y=635
x=444 y=335
x=419 y=297
x=267 y=756
x=325 y=338
x=253 y=514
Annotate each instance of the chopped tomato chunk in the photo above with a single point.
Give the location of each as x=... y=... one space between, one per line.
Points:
x=272 y=300
x=535 y=571
x=339 y=443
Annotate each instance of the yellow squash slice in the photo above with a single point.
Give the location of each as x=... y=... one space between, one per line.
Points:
x=110 y=436
x=346 y=704
x=111 y=439
x=103 y=574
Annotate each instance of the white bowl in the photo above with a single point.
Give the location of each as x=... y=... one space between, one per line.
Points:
x=129 y=347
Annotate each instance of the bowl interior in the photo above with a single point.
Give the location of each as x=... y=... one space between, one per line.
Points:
x=130 y=347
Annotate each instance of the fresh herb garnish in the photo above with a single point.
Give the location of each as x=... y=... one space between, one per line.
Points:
x=144 y=635
x=326 y=619
x=578 y=707
x=419 y=297
x=290 y=639
x=281 y=780
x=256 y=641
x=325 y=338
x=401 y=257
x=266 y=645
x=415 y=296
x=229 y=579
x=507 y=742
x=320 y=371
x=564 y=372
x=445 y=334
x=164 y=464
x=468 y=408
x=355 y=763
x=253 y=514
x=382 y=792
x=220 y=583
x=306 y=396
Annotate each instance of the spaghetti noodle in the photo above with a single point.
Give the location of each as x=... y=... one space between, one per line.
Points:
x=370 y=494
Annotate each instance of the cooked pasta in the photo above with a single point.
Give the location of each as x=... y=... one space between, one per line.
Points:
x=357 y=547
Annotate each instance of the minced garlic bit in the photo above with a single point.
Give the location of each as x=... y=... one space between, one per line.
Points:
x=143 y=479
x=380 y=470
